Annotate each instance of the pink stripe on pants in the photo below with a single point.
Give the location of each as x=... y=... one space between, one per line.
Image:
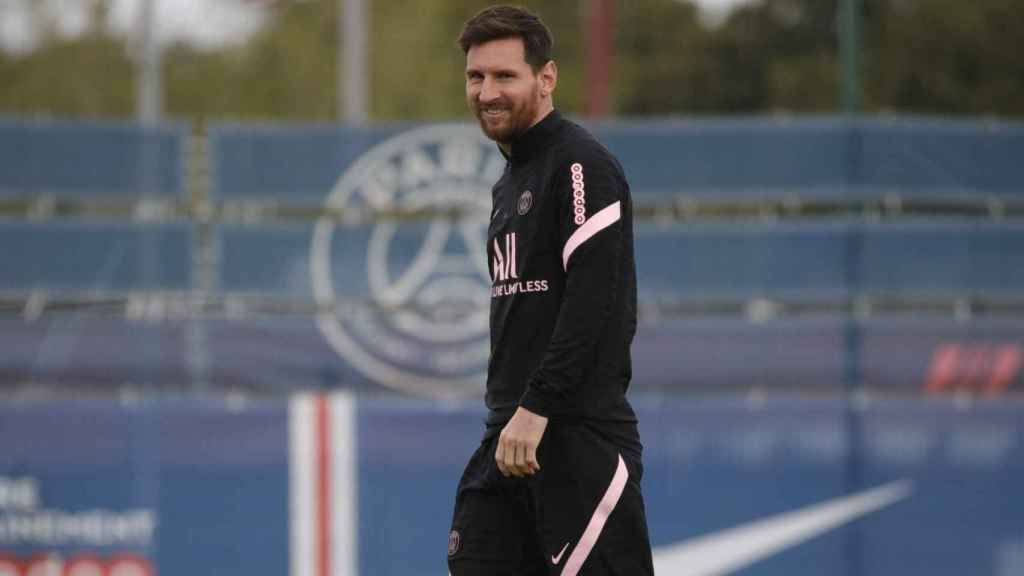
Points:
x=597 y=521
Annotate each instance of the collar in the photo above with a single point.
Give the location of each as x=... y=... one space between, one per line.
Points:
x=536 y=139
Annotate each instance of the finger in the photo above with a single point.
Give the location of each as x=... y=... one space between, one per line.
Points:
x=524 y=460
x=510 y=461
x=531 y=459
x=499 y=458
x=520 y=460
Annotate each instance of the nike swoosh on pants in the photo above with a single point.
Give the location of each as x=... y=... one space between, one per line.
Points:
x=556 y=559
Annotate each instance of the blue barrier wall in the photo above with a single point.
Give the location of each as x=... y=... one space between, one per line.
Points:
x=805 y=260
x=95 y=257
x=896 y=354
x=87 y=160
x=188 y=487
x=286 y=163
x=938 y=158
x=813 y=259
x=746 y=157
x=410 y=298
x=733 y=158
x=909 y=487
x=819 y=158
x=718 y=159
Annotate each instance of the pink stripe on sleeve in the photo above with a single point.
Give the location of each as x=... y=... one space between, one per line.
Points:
x=604 y=218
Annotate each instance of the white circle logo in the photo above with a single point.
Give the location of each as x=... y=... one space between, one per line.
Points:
x=421 y=286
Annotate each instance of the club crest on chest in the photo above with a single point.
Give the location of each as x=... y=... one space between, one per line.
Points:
x=454 y=542
x=525 y=203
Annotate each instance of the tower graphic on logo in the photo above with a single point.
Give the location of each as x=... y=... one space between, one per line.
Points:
x=405 y=300
x=504 y=265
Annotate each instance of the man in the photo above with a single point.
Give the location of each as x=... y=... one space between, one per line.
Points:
x=555 y=486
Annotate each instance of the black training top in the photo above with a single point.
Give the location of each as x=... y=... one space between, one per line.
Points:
x=563 y=292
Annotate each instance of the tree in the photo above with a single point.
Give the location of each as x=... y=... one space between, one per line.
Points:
x=87 y=76
x=664 y=62
x=286 y=71
x=926 y=56
x=947 y=57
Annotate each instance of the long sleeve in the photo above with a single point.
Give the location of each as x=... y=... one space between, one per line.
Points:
x=593 y=210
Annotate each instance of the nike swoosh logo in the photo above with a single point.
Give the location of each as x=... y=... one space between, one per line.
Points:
x=729 y=550
x=556 y=559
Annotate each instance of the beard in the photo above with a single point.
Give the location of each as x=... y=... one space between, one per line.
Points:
x=511 y=119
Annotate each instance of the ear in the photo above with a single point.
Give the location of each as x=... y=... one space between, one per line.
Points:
x=548 y=76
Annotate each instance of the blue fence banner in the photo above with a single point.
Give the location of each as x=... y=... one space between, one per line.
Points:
x=401 y=305
x=337 y=485
x=179 y=487
x=901 y=355
x=89 y=160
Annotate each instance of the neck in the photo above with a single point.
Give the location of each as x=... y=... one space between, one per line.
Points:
x=546 y=107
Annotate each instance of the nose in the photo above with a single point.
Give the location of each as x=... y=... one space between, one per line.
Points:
x=488 y=91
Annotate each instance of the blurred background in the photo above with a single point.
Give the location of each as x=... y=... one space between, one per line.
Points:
x=243 y=293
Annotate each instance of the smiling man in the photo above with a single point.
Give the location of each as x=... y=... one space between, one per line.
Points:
x=554 y=487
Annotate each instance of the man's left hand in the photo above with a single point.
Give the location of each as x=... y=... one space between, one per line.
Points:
x=517 y=445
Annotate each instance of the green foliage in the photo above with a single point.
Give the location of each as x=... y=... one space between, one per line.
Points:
x=663 y=63
x=90 y=76
x=949 y=57
x=285 y=72
x=927 y=56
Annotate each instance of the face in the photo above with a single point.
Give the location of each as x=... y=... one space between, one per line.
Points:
x=503 y=91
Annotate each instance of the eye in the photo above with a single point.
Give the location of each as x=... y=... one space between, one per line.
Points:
x=474 y=76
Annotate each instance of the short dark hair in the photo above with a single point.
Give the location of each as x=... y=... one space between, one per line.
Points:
x=499 y=22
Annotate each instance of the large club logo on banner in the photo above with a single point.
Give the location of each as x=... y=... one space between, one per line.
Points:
x=420 y=324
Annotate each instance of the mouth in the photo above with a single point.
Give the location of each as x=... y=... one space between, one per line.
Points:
x=493 y=113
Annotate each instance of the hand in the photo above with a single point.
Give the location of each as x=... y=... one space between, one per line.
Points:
x=517 y=445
